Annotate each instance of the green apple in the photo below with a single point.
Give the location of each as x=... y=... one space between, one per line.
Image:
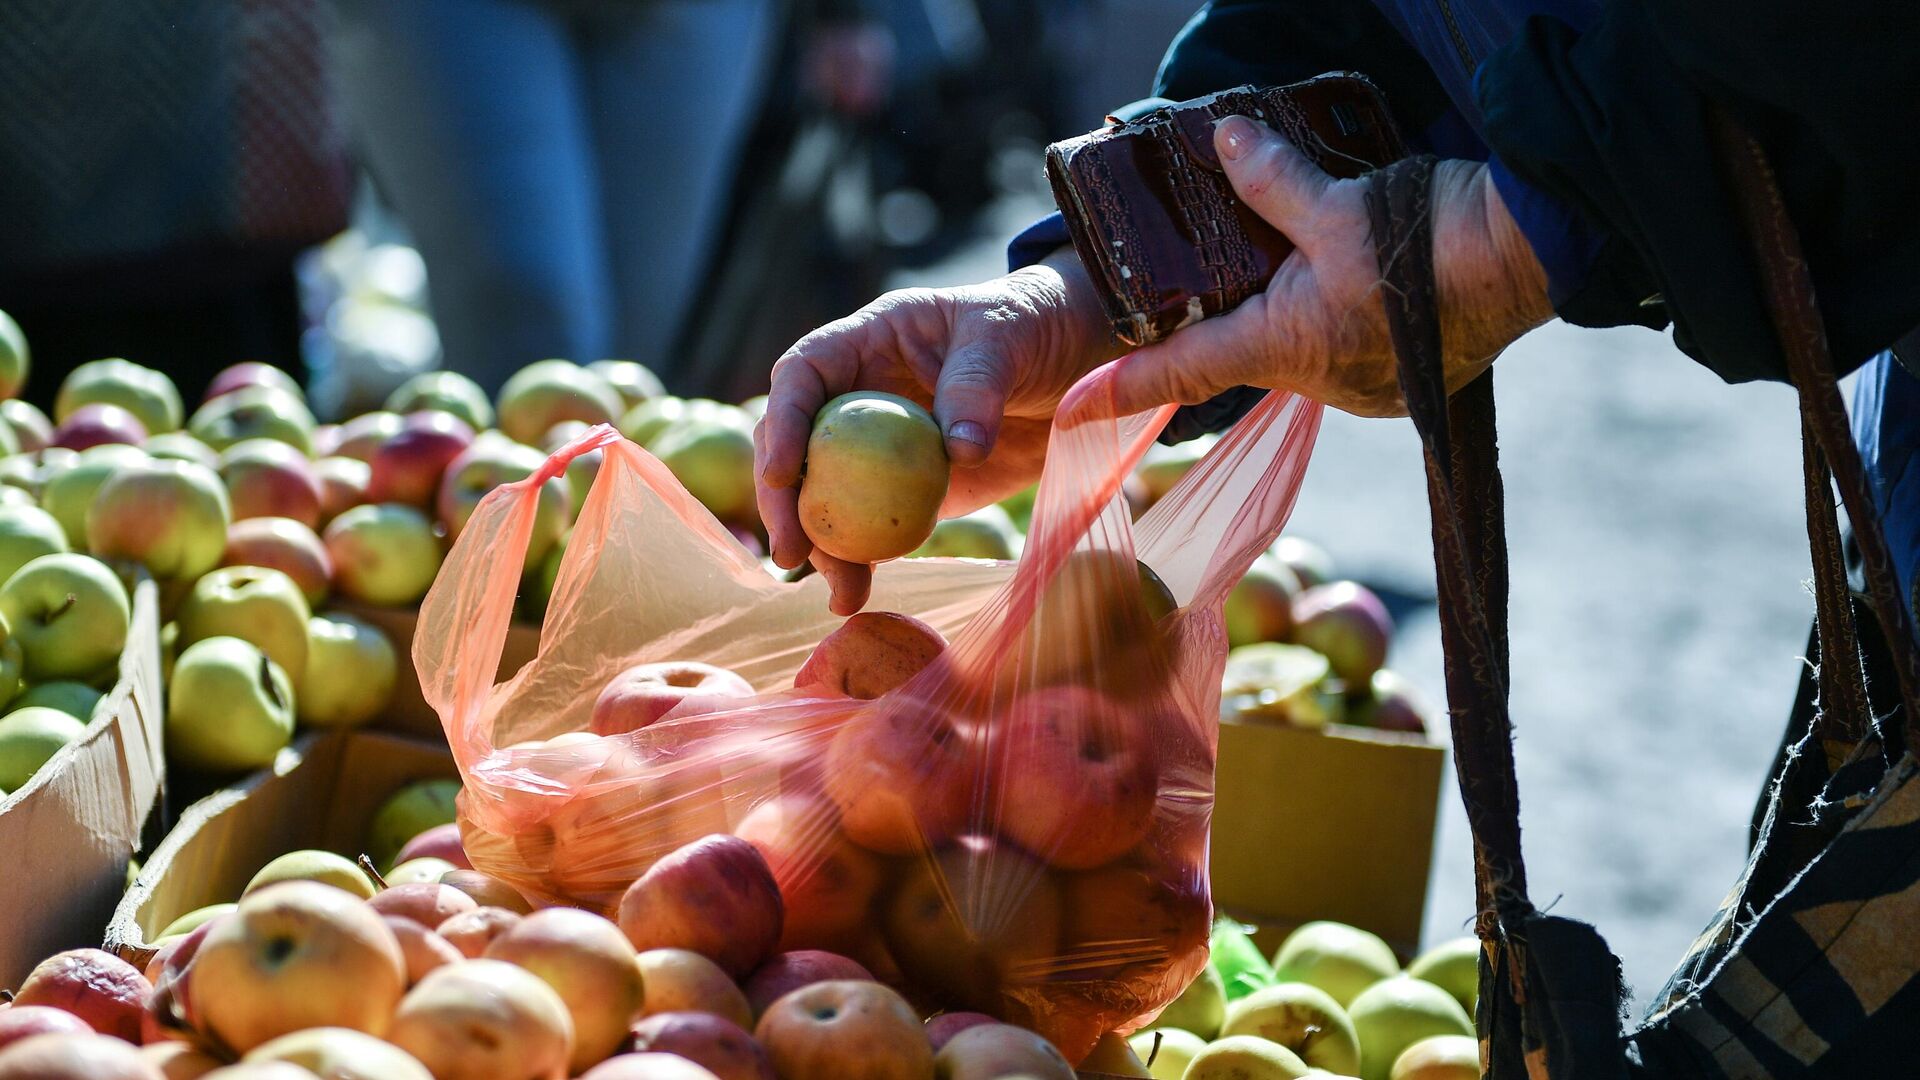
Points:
x=424 y=870
x=447 y=391
x=70 y=615
x=15 y=358
x=1340 y=959
x=1271 y=683
x=69 y=490
x=193 y=920
x=1441 y=1057
x=9 y=442
x=546 y=392
x=1394 y=1013
x=1453 y=966
x=254 y=412
x=21 y=472
x=536 y=590
x=13 y=661
x=488 y=463
x=631 y=379
x=255 y=604
x=712 y=456
x=987 y=533
x=76 y=699
x=31 y=429
x=407 y=813
x=180 y=446
x=229 y=707
x=350 y=674
x=383 y=553
x=1167 y=1050
x=1245 y=1057
x=644 y=422
x=1302 y=1018
x=169 y=516
x=311 y=864
x=26 y=533
x=142 y=391
x=1200 y=1008
x=28 y=737
x=1164 y=466
x=13 y=496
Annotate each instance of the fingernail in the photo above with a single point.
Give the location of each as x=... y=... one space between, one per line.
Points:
x=1237 y=137
x=969 y=432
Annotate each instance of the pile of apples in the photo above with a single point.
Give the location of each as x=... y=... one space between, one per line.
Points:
x=1332 y=1003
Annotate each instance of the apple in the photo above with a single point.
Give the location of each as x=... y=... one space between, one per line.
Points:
x=1347 y=624
x=341 y=1054
x=644 y=422
x=169 y=516
x=15 y=357
x=71 y=1056
x=268 y=478
x=1094 y=624
x=1310 y=563
x=1260 y=606
x=876 y=475
x=25 y=1021
x=427 y=871
x=647 y=1067
x=21 y=472
x=1453 y=966
x=250 y=373
x=1267 y=682
x=827 y=882
x=180 y=446
x=422 y=948
x=70 y=487
x=193 y=920
x=1077 y=775
x=903 y=775
x=407 y=468
x=1164 y=466
x=428 y=903
x=472 y=931
x=229 y=707
x=869 y=654
x=942 y=1028
x=180 y=1060
x=1339 y=959
x=361 y=437
x=1302 y=1018
x=13 y=660
x=489 y=463
x=486 y=890
x=31 y=429
x=350 y=674
x=712 y=456
x=281 y=544
x=987 y=533
x=681 y=980
x=1394 y=1013
x=851 y=1029
x=1201 y=1008
x=408 y=812
x=310 y=864
x=1392 y=703
x=990 y=1051
x=256 y=604
x=590 y=964
x=28 y=738
x=149 y=395
x=1439 y=1057
x=1167 y=1051
x=1132 y=923
x=70 y=615
x=439 y=842
x=715 y=896
x=632 y=380
x=384 y=554
x=976 y=924
x=581 y=471
x=259 y=1070
x=544 y=393
x=76 y=699
x=644 y=693
x=1245 y=1057
x=789 y=971
x=254 y=412
x=98 y=987
x=343 y=485
x=720 y=1046
x=484 y=1020
x=443 y=391
x=99 y=425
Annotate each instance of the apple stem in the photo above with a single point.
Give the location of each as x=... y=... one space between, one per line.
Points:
x=366 y=864
x=65 y=606
x=1155 y=1052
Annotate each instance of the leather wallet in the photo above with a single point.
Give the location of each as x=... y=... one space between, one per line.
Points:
x=1155 y=220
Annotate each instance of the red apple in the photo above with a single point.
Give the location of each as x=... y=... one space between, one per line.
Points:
x=360 y=437
x=472 y=931
x=169 y=516
x=1075 y=775
x=250 y=373
x=647 y=1067
x=282 y=544
x=1260 y=607
x=587 y=961
x=714 y=896
x=644 y=693
x=343 y=484
x=1391 y=703
x=1346 y=623
x=789 y=971
x=68 y=1056
x=904 y=775
x=942 y=1028
x=439 y=842
x=1128 y=918
x=268 y=478
x=422 y=948
x=98 y=987
x=827 y=882
x=487 y=891
x=428 y=904
x=976 y=924
x=680 y=980
x=720 y=1046
x=326 y=440
x=989 y=1051
x=24 y=1021
x=407 y=467
x=850 y=1030
x=97 y=425
x=870 y=654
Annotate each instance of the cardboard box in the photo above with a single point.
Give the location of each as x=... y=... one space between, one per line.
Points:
x=320 y=793
x=1325 y=824
x=69 y=834
x=408 y=713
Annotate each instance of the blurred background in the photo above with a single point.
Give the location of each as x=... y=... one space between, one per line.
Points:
x=359 y=190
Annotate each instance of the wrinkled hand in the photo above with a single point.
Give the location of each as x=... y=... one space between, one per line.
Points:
x=991 y=361
x=1319 y=329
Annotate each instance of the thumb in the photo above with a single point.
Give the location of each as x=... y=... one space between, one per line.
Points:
x=969 y=398
x=1270 y=175
x=1194 y=363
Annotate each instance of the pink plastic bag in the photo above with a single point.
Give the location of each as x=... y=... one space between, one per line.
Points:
x=1020 y=829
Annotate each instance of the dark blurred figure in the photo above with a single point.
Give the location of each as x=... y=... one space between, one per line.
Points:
x=161 y=163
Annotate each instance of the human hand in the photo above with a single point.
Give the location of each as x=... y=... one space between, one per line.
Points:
x=991 y=361
x=1318 y=329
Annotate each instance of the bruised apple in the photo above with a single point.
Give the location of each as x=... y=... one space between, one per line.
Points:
x=876 y=474
x=715 y=896
x=98 y=987
x=789 y=971
x=720 y=1046
x=681 y=980
x=484 y=1020
x=593 y=968
x=644 y=693
x=870 y=654
x=903 y=775
x=850 y=1030
x=978 y=919
x=827 y=882
x=1076 y=775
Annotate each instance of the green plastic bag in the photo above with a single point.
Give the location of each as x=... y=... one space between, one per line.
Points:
x=1238 y=960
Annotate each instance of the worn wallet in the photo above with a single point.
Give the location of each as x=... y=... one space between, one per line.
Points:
x=1155 y=220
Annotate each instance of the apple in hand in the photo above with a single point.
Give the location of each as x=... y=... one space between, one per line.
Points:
x=443 y=391
x=98 y=987
x=715 y=896
x=350 y=674
x=99 y=425
x=407 y=467
x=590 y=964
x=1077 y=775
x=1346 y=623
x=229 y=707
x=827 y=882
x=485 y=1020
x=644 y=693
x=254 y=412
x=169 y=516
x=281 y=544
x=853 y=1029
x=70 y=615
x=903 y=775
x=268 y=478
x=870 y=654
x=876 y=474
x=148 y=394
x=384 y=554
x=547 y=392
x=362 y=436
x=255 y=604
x=250 y=373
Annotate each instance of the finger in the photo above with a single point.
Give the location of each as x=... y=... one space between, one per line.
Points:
x=1271 y=175
x=1194 y=364
x=787 y=542
x=820 y=366
x=969 y=398
x=851 y=583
